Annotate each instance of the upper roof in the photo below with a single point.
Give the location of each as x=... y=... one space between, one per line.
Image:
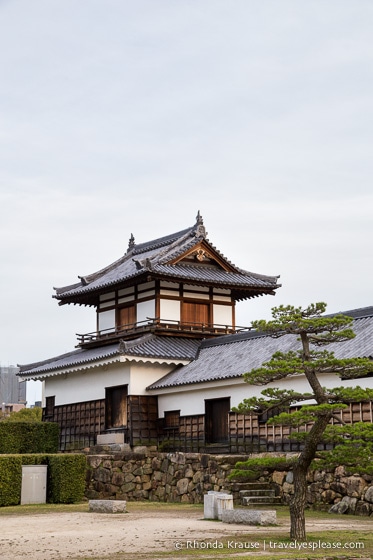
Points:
x=238 y=353
x=184 y=256
x=150 y=347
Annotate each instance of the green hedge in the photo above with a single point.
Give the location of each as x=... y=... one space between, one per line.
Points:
x=28 y=437
x=66 y=476
x=10 y=480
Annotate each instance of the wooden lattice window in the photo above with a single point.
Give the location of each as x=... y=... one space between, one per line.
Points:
x=172 y=419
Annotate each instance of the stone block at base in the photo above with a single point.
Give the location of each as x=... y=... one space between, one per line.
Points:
x=107 y=506
x=249 y=516
x=107 y=439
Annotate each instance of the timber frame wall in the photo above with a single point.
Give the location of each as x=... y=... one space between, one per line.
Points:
x=80 y=424
x=246 y=434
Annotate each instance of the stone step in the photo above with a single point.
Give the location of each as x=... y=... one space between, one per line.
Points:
x=259 y=492
x=239 y=486
x=268 y=500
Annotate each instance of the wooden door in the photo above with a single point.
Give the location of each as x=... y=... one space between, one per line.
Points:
x=216 y=420
x=195 y=313
x=127 y=316
x=116 y=407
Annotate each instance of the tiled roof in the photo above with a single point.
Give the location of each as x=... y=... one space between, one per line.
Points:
x=73 y=359
x=231 y=356
x=153 y=258
x=147 y=347
x=215 y=275
x=162 y=347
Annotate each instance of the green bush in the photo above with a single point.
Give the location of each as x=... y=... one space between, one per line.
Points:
x=66 y=478
x=28 y=437
x=26 y=415
x=10 y=480
x=34 y=459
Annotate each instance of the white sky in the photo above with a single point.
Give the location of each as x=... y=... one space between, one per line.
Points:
x=119 y=116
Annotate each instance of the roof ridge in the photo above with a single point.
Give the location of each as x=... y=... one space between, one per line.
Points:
x=358 y=313
x=161 y=241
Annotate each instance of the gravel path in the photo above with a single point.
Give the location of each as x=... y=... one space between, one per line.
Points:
x=52 y=536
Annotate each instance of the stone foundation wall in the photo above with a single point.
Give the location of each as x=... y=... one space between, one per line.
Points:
x=186 y=477
x=163 y=477
x=339 y=490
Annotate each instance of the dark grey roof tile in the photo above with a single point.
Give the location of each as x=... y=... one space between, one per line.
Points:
x=231 y=356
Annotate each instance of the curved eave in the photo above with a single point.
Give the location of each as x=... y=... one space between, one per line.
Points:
x=88 y=366
x=40 y=375
x=208 y=382
x=242 y=289
x=159 y=361
x=86 y=295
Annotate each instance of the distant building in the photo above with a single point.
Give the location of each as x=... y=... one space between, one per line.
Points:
x=12 y=391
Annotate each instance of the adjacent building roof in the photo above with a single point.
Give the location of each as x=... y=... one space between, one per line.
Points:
x=162 y=258
x=231 y=356
x=148 y=347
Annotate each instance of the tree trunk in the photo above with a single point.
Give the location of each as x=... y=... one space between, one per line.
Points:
x=298 y=503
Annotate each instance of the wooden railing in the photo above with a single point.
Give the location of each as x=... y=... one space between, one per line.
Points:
x=153 y=324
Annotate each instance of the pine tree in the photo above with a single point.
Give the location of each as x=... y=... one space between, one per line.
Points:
x=312 y=329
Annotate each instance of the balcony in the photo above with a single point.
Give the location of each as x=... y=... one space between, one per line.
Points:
x=160 y=326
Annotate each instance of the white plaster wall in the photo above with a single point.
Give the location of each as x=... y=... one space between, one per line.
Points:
x=143 y=375
x=106 y=320
x=86 y=386
x=191 y=402
x=222 y=314
x=191 y=399
x=90 y=385
x=170 y=310
x=145 y=309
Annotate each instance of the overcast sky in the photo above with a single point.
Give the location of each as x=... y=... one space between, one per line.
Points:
x=120 y=117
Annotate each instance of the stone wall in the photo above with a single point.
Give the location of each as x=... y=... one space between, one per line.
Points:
x=339 y=490
x=186 y=477
x=163 y=477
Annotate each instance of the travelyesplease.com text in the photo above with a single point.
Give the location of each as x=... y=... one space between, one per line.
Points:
x=267 y=545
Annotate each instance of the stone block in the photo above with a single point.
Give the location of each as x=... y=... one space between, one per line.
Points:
x=224 y=502
x=210 y=506
x=249 y=516
x=107 y=506
x=108 y=439
x=215 y=503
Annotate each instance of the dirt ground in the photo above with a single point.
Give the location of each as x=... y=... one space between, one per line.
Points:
x=70 y=535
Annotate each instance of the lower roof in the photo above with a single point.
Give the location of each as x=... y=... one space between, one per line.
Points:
x=222 y=358
x=148 y=347
x=231 y=356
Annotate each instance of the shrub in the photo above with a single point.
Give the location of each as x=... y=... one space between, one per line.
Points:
x=26 y=415
x=28 y=437
x=10 y=480
x=66 y=478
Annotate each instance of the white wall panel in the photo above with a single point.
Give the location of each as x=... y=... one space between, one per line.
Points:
x=106 y=320
x=191 y=400
x=86 y=386
x=222 y=314
x=170 y=310
x=143 y=375
x=145 y=309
